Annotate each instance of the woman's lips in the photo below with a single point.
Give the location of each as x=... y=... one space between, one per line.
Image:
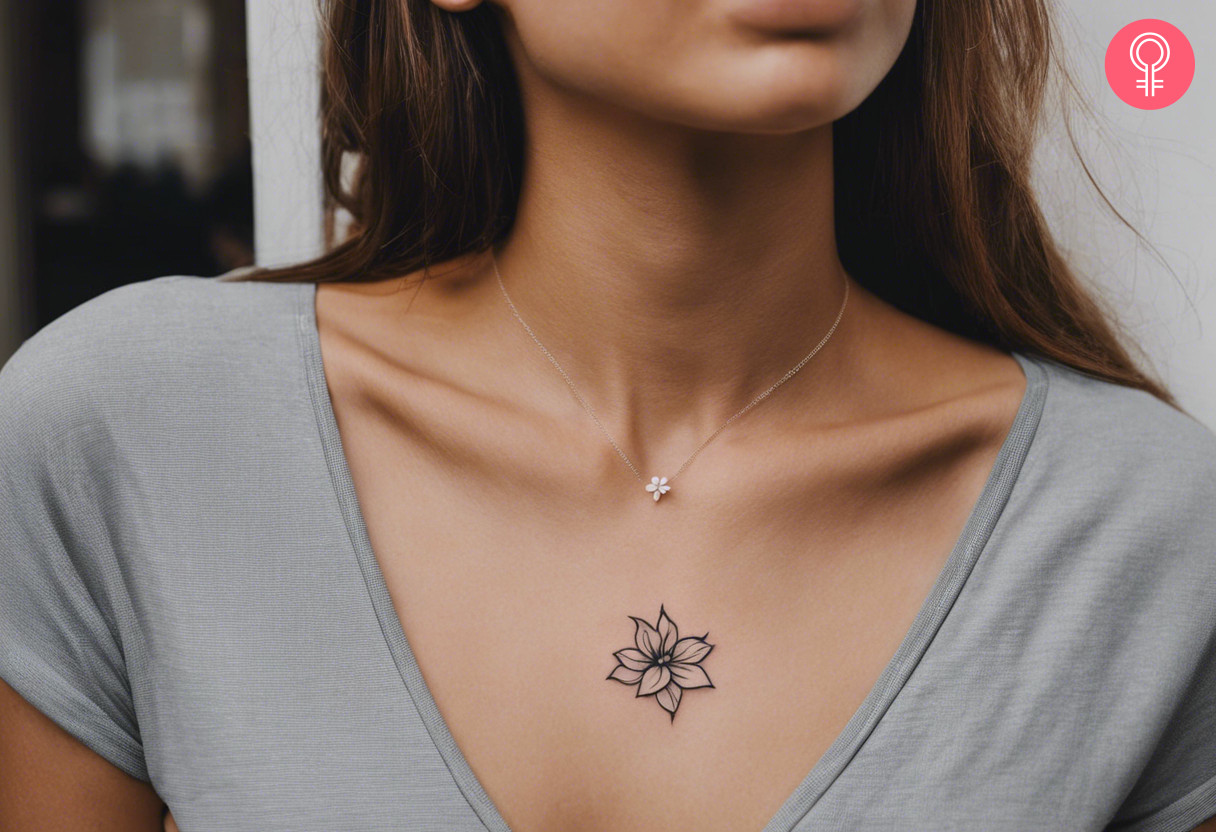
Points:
x=790 y=16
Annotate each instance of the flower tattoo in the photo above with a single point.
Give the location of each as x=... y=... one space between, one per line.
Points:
x=663 y=665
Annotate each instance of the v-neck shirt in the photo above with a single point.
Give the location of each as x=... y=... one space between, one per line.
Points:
x=187 y=586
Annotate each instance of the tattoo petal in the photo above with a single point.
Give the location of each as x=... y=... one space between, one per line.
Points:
x=689 y=675
x=654 y=679
x=667 y=631
x=669 y=698
x=647 y=638
x=625 y=674
x=691 y=649
x=633 y=659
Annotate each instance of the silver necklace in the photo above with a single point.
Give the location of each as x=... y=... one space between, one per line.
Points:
x=658 y=486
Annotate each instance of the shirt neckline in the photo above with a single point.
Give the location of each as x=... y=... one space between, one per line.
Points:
x=958 y=566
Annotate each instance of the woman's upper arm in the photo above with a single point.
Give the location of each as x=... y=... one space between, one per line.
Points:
x=53 y=781
x=71 y=750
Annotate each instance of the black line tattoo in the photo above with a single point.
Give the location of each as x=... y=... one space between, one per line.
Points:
x=663 y=665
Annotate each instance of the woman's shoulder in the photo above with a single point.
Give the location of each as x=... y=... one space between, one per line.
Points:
x=1118 y=522
x=114 y=419
x=1121 y=433
x=147 y=374
x=138 y=344
x=155 y=318
x=1117 y=475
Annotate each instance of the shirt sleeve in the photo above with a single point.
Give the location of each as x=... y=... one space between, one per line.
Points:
x=60 y=647
x=1176 y=789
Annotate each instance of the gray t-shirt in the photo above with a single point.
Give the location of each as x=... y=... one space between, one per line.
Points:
x=186 y=585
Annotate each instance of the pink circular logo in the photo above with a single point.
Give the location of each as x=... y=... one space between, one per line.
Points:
x=1150 y=64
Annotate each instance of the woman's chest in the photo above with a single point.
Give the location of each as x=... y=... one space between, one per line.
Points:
x=285 y=694
x=536 y=630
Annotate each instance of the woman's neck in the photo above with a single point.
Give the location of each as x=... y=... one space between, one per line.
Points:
x=673 y=270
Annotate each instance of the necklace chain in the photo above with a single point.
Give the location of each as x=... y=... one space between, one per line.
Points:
x=713 y=435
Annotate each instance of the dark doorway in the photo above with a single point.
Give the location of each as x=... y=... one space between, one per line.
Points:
x=132 y=144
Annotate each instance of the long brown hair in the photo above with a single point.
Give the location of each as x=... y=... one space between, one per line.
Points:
x=935 y=212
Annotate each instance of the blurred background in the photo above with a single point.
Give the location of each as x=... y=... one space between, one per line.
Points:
x=140 y=138
x=124 y=149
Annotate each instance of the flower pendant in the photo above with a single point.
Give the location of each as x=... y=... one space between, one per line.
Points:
x=659 y=486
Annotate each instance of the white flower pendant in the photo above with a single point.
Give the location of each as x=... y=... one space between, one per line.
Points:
x=659 y=486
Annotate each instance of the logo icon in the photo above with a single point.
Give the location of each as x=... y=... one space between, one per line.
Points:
x=1150 y=83
x=1150 y=64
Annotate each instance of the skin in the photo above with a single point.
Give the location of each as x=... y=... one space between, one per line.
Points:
x=52 y=781
x=674 y=249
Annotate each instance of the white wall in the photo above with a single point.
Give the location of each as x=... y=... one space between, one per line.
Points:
x=1158 y=167
x=284 y=96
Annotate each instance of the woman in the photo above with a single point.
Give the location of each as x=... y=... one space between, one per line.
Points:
x=690 y=525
